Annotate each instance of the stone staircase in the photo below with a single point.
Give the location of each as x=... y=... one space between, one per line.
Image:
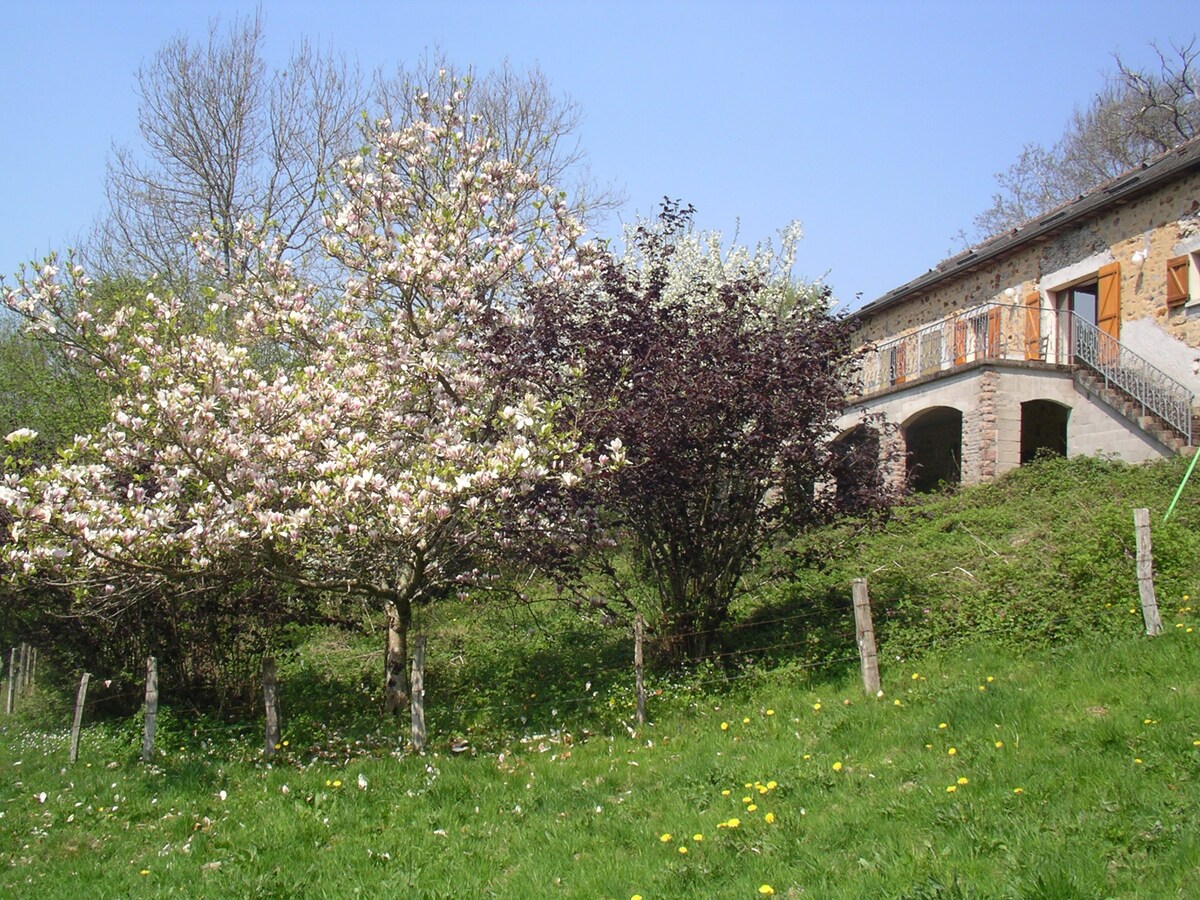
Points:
x=1117 y=399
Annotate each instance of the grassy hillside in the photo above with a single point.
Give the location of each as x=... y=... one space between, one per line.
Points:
x=1049 y=751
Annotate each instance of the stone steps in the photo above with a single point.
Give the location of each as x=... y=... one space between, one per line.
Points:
x=1118 y=400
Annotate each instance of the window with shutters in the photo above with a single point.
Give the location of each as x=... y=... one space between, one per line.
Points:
x=1181 y=280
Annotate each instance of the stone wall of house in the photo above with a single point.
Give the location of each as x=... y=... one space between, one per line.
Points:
x=1153 y=225
x=989 y=399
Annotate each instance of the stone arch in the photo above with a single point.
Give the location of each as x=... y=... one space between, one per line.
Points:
x=1043 y=428
x=933 y=448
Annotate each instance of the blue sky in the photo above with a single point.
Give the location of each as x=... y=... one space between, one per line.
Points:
x=878 y=125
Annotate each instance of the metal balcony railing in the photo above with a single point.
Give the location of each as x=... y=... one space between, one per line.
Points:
x=994 y=331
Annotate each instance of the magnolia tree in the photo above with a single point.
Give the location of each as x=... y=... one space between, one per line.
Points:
x=722 y=376
x=350 y=442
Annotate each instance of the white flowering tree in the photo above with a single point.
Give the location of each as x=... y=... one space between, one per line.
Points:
x=352 y=442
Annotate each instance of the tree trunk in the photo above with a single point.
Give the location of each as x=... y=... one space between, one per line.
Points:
x=395 y=668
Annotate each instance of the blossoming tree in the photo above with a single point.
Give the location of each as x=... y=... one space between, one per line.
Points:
x=350 y=442
x=723 y=377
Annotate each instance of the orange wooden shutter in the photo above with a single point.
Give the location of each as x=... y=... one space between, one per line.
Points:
x=960 y=341
x=994 y=331
x=1108 y=312
x=899 y=363
x=1177 y=281
x=1033 y=325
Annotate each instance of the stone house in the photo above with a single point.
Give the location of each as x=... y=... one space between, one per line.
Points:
x=1077 y=333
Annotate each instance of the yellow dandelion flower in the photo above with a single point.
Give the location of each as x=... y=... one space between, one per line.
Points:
x=983 y=687
x=816 y=706
x=766 y=889
x=999 y=744
x=666 y=838
x=746 y=720
x=636 y=897
x=942 y=725
x=769 y=818
x=144 y=872
x=683 y=850
x=725 y=793
x=1137 y=761
x=915 y=676
x=697 y=837
x=1186 y=598
x=1187 y=631
x=724 y=726
x=951 y=789
x=807 y=756
x=1018 y=790
x=964 y=780
x=770 y=712
x=771 y=785
x=1196 y=743
x=953 y=751
x=837 y=766
x=752 y=807
x=337 y=783
x=990 y=679
x=897 y=703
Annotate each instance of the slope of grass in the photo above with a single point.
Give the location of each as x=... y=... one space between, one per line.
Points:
x=1029 y=742
x=983 y=772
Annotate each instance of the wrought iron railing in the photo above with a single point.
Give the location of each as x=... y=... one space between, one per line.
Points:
x=1152 y=389
x=995 y=331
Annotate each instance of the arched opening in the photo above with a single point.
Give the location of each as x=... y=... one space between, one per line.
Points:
x=933 y=439
x=855 y=466
x=1043 y=429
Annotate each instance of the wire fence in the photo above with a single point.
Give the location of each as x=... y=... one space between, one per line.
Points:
x=805 y=641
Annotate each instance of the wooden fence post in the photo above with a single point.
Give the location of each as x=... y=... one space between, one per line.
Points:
x=1145 y=572
x=80 y=700
x=271 y=703
x=151 y=708
x=418 y=693
x=865 y=633
x=23 y=670
x=12 y=681
x=639 y=626
x=31 y=682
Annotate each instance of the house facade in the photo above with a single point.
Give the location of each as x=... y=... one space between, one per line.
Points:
x=1077 y=333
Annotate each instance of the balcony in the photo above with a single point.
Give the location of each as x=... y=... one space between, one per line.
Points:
x=995 y=332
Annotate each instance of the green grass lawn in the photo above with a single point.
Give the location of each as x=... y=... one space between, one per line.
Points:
x=980 y=772
x=1030 y=740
